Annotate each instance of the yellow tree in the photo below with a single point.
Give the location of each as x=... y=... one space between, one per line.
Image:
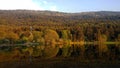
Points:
x=27 y=36
x=12 y=37
x=102 y=46
x=2 y=35
x=50 y=35
x=38 y=36
x=50 y=49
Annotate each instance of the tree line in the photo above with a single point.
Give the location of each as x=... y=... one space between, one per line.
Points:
x=82 y=32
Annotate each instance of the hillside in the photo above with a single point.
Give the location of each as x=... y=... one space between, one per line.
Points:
x=30 y=17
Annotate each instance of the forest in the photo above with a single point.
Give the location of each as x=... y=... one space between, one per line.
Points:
x=47 y=34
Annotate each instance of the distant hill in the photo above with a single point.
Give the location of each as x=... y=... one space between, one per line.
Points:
x=30 y=17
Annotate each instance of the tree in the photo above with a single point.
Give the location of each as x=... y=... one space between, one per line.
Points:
x=64 y=34
x=102 y=46
x=2 y=36
x=102 y=38
x=37 y=36
x=118 y=38
x=50 y=35
x=30 y=38
x=80 y=35
x=27 y=36
x=12 y=37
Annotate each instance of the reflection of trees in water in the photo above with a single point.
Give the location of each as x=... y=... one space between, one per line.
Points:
x=91 y=51
x=103 y=50
x=114 y=52
x=83 y=51
x=50 y=51
x=78 y=50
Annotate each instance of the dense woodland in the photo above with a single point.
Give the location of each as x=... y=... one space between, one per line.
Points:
x=78 y=26
x=49 y=28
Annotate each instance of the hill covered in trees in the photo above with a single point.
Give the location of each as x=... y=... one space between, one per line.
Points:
x=31 y=17
x=85 y=25
x=49 y=29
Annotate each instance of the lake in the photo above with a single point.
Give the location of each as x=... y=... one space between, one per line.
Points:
x=71 y=56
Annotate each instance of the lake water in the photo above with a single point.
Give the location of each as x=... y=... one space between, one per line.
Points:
x=70 y=56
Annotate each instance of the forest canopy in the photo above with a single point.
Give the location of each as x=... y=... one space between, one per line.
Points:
x=30 y=25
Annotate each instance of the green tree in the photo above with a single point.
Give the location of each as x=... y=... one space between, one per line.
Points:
x=38 y=37
x=65 y=34
x=27 y=37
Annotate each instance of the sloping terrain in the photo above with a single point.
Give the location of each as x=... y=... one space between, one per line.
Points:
x=30 y=17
